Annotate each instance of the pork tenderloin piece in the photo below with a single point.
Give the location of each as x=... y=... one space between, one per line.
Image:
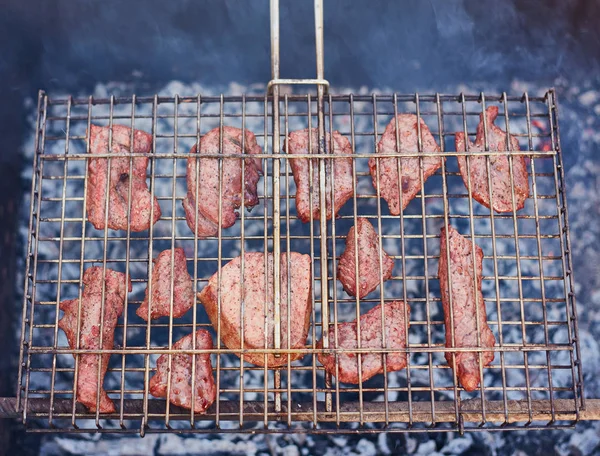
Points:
x=502 y=188
x=370 y=337
x=298 y=143
x=258 y=304
x=91 y=326
x=145 y=210
x=410 y=181
x=180 y=393
x=203 y=192
x=183 y=287
x=367 y=257
x=467 y=305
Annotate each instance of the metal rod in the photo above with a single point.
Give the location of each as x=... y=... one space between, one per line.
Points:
x=566 y=243
x=322 y=182
x=276 y=197
x=302 y=411
x=26 y=295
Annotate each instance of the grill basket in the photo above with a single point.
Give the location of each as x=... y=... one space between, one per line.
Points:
x=535 y=381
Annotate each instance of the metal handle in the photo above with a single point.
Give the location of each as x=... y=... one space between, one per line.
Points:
x=273 y=86
x=320 y=81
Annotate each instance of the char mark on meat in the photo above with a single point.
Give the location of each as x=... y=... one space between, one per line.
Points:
x=468 y=306
x=205 y=195
x=258 y=304
x=370 y=337
x=180 y=393
x=367 y=258
x=145 y=210
x=91 y=319
x=409 y=185
x=183 y=289
x=500 y=173
x=298 y=143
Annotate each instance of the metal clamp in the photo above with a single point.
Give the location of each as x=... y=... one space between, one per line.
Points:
x=322 y=82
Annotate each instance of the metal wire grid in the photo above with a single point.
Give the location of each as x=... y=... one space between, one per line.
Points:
x=535 y=380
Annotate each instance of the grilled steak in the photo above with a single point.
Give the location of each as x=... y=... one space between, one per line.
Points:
x=367 y=258
x=180 y=393
x=370 y=337
x=499 y=167
x=460 y=275
x=206 y=201
x=298 y=143
x=120 y=179
x=183 y=289
x=410 y=172
x=90 y=327
x=256 y=299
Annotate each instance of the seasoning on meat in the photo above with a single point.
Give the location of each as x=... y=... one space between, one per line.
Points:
x=258 y=304
x=367 y=258
x=499 y=167
x=370 y=337
x=180 y=393
x=410 y=181
x=183 y=289
x=298 y=143
x=204 y=200
x=121 y=177
x=90 y=327
x=467 y=303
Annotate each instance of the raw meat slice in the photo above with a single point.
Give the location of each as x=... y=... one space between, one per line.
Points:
x=466 y=299
x=89 y=334
x=256 y=299
x=389 y=188
x=368 y=260
x=298 y=143
x=206 y=202
x=499 y=167
x=370 y=337
x=120 y=177
x=180 y=393
x=183 y=290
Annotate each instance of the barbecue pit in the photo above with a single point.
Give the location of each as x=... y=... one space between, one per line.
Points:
x=425 y=396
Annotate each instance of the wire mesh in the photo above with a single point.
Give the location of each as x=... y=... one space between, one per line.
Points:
x=534 y=381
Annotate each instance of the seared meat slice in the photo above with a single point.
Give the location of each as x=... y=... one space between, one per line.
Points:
x=298 y=143
x=367 y=259
x=370 y=337
x=410 y=172
x=89 y=335
x=183 y=289
x=180 y=393
x=120 y=176
x=499 y=167
x=466 y=299
x=206 y=201
x=258 y=304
